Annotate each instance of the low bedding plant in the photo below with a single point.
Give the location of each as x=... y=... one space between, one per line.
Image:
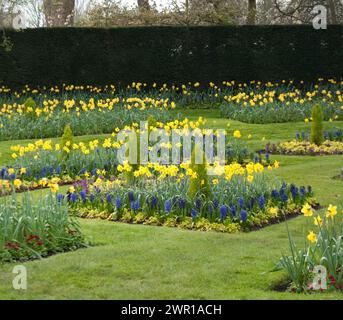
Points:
x=317 y=142
x=323 y=247
x=31 y=228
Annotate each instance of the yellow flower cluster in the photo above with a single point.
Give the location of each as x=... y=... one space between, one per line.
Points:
x=306 y=147
x=330 y=214
x=50 y=106
x=258 y=98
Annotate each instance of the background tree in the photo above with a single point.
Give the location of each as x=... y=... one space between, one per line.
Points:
x=143 y=5
x=115 y=13
x=300 y=11
x=35 y=13
x=59 y=13
x=8 y=11
x=252 y=6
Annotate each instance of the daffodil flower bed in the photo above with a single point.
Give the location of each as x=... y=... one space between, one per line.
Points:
x=31 y=229
x=44 y=163
x=284 y=102
x=296 y=147
x=43 y=112
x=93 y=116
x=323 y=251
x=240 y=199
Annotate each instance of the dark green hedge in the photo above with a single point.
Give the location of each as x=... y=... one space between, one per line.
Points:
x=171 y=54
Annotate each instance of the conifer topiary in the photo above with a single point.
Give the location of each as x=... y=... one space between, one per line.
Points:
x=30 y=106
x=67 y=141
x=317 y=125
x=199 y=186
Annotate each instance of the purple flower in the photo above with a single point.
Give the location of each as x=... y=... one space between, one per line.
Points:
x=108 y=198
x=251 y=203
x=240 y=202
x=60 y=197
x=244 y=215
x=223 y=212
x=294 y=191
x=198 y=204
x=167 y=206
x=302 y=190
x=153 y=202
x=194 y=213
x=261 y=202
x=182 y=203
x=233 y=210
x=135 y=205
x=284 y=197
x=275 y=194
x=131 y=196
x=118 y=203
x=73 y=197
x=83 y=195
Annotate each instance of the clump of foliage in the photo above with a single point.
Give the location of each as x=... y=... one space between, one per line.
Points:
x=317 y=125
x=30 y=106
x=323 y=248
x=29 y=103
x=32 y=229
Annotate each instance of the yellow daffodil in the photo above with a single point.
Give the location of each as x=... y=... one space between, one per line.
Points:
x=307 y=210
x=237 y=134
x=312 y=237
x=331 y=211
x=318 y=221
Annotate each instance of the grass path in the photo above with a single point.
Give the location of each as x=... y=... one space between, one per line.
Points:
x=143 y=262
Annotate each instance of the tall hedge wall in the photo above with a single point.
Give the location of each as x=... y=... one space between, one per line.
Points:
x=171 y=54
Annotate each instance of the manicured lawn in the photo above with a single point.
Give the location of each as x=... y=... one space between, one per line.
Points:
x=142 y=262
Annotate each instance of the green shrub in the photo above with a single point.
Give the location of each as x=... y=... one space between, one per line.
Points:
x=67 y=141
x=30 y=103
x=317 y=125
x=199 y=186
x=30 y=106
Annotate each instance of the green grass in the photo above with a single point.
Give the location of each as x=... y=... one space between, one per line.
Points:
x=142 y=262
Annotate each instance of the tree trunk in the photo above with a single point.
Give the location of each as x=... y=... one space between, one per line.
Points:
x=143 y=5
x=251 y=12
x=59 y=13
x=267 y=4
x=332 y=10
